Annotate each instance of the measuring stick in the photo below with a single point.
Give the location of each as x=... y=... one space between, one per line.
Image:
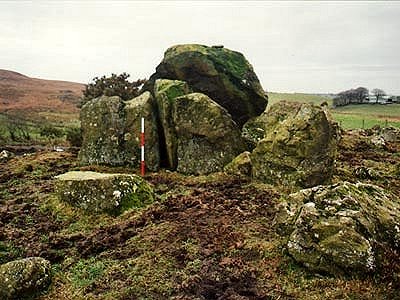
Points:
x=142 y=162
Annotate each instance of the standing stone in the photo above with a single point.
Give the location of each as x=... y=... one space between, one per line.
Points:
x=207 y=138
x=24 y=278
x=102 y=123
x=166 y=92
x=222 y=74
x=142 y=106
x=299 y=146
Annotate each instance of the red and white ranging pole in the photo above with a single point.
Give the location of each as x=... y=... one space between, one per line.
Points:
x=142 y=162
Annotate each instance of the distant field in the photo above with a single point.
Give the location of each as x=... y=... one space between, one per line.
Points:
x=350 y=116
x=26 y=127
x=367 y=115
x=297 y=97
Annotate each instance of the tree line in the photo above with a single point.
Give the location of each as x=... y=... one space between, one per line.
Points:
x=358 y=95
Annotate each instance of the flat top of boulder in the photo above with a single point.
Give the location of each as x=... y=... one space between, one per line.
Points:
x=86 y=175
x=139 y=100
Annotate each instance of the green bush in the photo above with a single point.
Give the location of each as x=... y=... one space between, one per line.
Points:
x=51 y=132
x=74 y=136
x=116 y=85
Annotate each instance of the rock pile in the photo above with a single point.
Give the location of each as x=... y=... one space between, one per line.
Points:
x=196 y=104
x=202 y=95
x=223 y=75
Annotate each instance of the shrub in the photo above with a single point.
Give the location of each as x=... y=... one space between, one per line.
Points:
x=50 y=132
x=74 y=136
x=116 y=85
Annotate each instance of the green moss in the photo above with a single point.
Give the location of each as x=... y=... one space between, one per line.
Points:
x=232 y=61
x=140 y=197
x=171 y=88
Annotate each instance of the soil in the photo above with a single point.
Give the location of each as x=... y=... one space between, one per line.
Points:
x=204 y=238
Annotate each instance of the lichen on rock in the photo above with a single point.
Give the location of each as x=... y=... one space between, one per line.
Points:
x=140 y=107
x=298 y=145
x=166 y=91
x=102 y=123
x=207 y=138
x=24 y=278
x=240 y=165
x=337 y=229
x=100 y=192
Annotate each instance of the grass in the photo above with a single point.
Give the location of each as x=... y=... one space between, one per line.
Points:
x=367 y=115
x=85 y=272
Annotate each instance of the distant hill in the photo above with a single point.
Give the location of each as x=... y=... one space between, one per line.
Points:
x=22 y=93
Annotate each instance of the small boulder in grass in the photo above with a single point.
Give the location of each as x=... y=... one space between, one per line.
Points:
x=24 y=278
x=101 y=192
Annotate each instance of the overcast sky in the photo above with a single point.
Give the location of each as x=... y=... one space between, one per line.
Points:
x=293 y=46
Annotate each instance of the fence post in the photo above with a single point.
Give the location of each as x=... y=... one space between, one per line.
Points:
x=142 y=161
x=363 y=123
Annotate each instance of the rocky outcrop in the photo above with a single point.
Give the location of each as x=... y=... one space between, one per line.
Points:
x=24 y=278
x=296 y=145
x=142 y=106
x=338 y=229
x=99 y=192
x=207 y=138
x=223 y=75
x=166 y=91
x=102 y=123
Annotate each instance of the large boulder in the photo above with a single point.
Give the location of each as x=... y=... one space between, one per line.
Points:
x=24 y=278
x=142 y=106
x=102 y=123
x=100 y=192
x=298 y=145
x=340 y=229
x=207 y=138
x=223 y=75
x=166 y=91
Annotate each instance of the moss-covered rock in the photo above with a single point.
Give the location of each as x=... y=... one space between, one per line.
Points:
x=223 y=75
x=166 y=91
x=207 y=138
x=142 y=106
x=102 y=123
x=24 y=278
x=99 y=192
x=338 y=229
x=240 y=165
x=298 y=145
